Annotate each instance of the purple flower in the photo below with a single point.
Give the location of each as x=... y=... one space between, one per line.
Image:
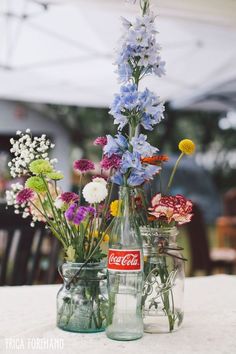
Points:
x=111 y=162
x=84 y=165
x=101 y=140
x=77 y=214
x=80 y=215
x=25 y=195
x=69 y=197
x=70 y=212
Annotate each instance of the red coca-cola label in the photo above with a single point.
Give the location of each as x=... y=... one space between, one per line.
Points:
x=124 y=260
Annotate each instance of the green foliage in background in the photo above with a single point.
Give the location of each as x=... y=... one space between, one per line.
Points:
x=216 y=148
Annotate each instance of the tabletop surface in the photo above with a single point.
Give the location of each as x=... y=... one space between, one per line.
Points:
x=28 y=314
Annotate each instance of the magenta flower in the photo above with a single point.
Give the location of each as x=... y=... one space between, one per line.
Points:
x=111 y=162
x=69 y=197
x=25 y=195
x=84 y=165
x=101 y=140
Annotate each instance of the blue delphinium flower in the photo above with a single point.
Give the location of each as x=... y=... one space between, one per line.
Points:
x=150 y=171
x=115 y=145
x=139 y=49
x=123 y=103
x=118 y=178
x=141 y=146
x=139 y=176
x=130 y=160
x=145 y=106
x=136 y=178
x=152 y=108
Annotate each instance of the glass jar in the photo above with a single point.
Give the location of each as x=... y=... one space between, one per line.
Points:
x=82 y=300
x=163 y=289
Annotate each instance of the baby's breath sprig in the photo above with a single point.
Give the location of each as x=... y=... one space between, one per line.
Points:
x=26 y=149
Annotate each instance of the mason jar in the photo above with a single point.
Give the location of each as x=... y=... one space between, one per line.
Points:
x=82 y=300
x=163 y=290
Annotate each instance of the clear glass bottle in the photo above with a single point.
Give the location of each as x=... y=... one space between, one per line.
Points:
x=163 y=289
x=125 y=273
x=82 y=307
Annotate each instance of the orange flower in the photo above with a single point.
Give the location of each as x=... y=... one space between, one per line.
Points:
x=155 y=160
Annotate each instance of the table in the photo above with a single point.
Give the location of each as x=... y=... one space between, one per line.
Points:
x=28 y=314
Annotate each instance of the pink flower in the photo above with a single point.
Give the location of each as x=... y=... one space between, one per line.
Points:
x=100 y=140
x=171 y=208
x=111 y=162
x=84 y=165
x=25 y=195
x=69 y=197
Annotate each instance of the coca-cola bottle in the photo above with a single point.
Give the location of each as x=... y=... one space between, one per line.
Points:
x=125 y=273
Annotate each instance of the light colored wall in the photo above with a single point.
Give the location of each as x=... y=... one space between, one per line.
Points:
x=38 y=124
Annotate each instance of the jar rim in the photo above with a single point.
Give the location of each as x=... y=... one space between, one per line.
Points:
x=159 y=228
x=89 y=266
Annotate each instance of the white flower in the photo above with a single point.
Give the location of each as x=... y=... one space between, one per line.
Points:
x=26 y=149
x=100 y=180
x=10 y=198
x=58 y=203
x=95 y=192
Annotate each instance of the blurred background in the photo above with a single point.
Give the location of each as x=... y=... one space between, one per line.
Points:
x=57 y=78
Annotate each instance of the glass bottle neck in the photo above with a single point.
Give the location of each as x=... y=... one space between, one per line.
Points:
x=126 y=197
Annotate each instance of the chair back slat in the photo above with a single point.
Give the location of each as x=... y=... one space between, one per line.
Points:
x=21 y=255
x=197 y=235
x=8 y=238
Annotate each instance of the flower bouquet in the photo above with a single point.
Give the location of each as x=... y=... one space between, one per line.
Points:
x=80 y=227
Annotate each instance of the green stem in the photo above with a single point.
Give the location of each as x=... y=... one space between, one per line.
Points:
x=80 y=187
x=173 y=172
x=166 y=302
x=144 y=4
x=56 y=233
x=56 y=215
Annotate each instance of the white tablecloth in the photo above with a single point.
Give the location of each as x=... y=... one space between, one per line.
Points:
x=28 y=313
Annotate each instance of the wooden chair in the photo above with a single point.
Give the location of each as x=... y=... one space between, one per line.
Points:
x=202 y=258
x=226 y=224
x=21 y=251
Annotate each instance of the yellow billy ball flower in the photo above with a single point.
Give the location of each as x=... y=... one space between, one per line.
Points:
x=187 y=146
x=114 y=207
